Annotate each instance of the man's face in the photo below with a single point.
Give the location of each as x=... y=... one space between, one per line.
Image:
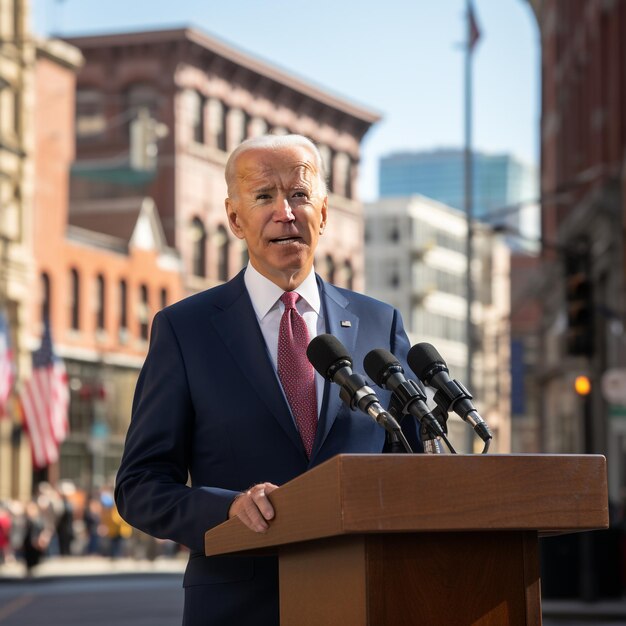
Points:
x=278 y=205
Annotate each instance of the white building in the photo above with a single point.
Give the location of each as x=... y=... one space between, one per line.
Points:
x=416 y=260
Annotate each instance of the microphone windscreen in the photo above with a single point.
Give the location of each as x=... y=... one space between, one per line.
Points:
x=324 y=351
x=377 y=362
x=422 y=357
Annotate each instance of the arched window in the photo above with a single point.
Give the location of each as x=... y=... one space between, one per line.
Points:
x=329 y=265
x=75 y=299
x=198 y=247
x=144 y=312
x=45 y=296
x=100 y=302
x=223 y=251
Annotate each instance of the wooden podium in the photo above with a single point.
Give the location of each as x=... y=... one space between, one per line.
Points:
x=389 y=540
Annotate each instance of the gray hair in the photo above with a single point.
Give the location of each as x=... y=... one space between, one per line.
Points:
x=274 y=142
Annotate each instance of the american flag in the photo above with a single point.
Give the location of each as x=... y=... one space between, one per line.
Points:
x=7 y=365
x=474 y=31
x=45 y=401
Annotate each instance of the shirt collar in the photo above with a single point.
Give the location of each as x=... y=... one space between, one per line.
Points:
x=265 y=294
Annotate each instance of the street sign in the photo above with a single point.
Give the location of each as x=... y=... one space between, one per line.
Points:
x=614 y=385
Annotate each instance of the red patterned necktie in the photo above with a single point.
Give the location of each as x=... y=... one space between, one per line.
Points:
x=296 y=374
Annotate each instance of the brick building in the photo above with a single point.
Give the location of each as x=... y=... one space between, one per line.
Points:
x=583 y=187
x=17 y=62
x=210 y=97
x=101 y=274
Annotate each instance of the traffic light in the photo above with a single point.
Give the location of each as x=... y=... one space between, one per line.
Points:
x=582 y=385
x=579 y=301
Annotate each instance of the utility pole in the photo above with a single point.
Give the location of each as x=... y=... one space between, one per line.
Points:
x=472 y=36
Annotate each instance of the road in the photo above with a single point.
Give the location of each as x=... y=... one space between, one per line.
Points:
x=150 y=600
x=139 y=600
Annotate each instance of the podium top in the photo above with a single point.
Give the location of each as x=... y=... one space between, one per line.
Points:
x=355 y=494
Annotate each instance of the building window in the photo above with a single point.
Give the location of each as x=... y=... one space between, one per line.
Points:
x=223 y=138
x=349 y=178
x=218 y=118
x=342 y=174
x=329 y=265
x=348 y=275
x=123 y=311
x=140 y=97
x=198 y=247
x=17 y=111
x=245 y=122
x=75 y=299
x=394 y=231
x=197 y=104
x=90 y=119
x=144 y=312
x=163 y=297
x=223 y=252
x=393 y=270
x=9 y=106
x=331 y=170
x=100 y=302
x=45 y=297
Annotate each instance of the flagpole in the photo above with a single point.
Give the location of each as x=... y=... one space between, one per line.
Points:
x=471 y=37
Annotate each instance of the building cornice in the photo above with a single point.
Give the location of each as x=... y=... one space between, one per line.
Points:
x=60 y=52
x=230 y=55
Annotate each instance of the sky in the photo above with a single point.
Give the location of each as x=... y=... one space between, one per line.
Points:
x=400 y=58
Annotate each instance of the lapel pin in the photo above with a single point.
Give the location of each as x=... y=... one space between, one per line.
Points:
x=346 y=323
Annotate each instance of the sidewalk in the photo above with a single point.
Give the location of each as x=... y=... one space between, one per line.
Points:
x=56 y=567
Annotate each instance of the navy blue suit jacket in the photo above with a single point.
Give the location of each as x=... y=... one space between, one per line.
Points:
x=208 y=407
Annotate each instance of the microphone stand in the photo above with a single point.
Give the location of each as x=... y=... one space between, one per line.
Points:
x=431 y=440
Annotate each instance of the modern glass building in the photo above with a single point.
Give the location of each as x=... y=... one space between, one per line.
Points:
x=500 y=182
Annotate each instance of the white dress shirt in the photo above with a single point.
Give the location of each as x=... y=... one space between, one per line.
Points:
x=265 y=296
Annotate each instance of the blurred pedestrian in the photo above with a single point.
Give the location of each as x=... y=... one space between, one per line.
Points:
x=64 y=524
x=36 y=537
x=92 y=517
x=118 y=531
x=5 y=534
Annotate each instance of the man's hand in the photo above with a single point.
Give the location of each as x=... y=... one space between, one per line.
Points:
x=253 y=507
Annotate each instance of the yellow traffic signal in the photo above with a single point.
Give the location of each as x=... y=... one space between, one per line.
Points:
x=582 y=385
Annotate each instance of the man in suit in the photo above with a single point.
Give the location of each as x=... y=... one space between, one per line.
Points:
x=215 y=425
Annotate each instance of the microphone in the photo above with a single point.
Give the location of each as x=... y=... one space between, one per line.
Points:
x=408 y=395
x=331 y=359
x=451 y=395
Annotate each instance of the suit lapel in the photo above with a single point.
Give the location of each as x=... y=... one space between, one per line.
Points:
x=238 y=328
x=344 y=325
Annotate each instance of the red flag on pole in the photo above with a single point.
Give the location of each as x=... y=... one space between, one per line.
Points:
x=473 y=31
x=45 y=402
